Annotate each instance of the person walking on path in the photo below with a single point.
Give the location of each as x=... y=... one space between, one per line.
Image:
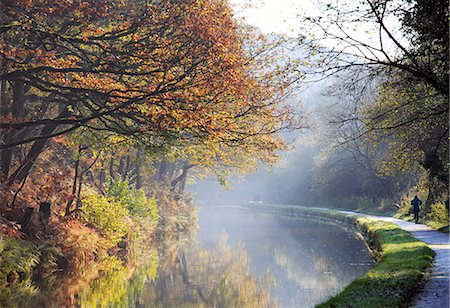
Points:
x=416 y=203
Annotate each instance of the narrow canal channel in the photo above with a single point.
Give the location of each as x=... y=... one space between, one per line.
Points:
x=242 y=258
x=299 y=262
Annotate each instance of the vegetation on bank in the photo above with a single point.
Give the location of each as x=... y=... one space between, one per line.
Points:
x=444 y=229
x=110 y=242
x=395 y=278
x=107 y=108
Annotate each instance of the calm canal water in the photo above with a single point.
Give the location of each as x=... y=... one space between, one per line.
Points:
x=241 y=258
x=306 y=261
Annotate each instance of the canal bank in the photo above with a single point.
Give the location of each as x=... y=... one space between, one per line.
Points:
x=402 y=264
x=435 y=290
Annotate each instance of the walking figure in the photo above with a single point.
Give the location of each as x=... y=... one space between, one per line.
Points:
x=416 y=203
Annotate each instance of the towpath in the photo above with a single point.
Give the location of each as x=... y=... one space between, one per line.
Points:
x=435 y=292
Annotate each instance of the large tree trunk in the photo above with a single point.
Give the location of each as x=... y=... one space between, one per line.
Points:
x=126 y=173
x=120 y=170
x=4 y=102
x=172 y=168
x=6 y=155
x=162 y=170
x=181 y=179
x=4 y=110
x=74 y=185
x=80 y=186
x=102 y=175
x=36 y=149
x=18 y=110
x=182 y=185
x=111 y=168
x=45 y=211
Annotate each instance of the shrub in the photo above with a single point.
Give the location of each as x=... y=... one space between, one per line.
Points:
x=108 y=216
x=79 y=244
x=420 y=189
x=18 y=259
x=133 y=199
x=18 y=255
x=438 y=215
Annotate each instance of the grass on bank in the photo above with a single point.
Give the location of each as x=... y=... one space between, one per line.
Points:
x=402 y=261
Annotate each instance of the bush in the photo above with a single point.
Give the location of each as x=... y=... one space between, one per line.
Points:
x=438 y=215
x=108 y=216
x=18 y=255
x=420 y=190
x=79 y=244
x=133 y=199
x=18 y=259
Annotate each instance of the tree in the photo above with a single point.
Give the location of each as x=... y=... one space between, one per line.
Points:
x=163 y=74
x=393 y=40
x=409 y=120
x=401 y=64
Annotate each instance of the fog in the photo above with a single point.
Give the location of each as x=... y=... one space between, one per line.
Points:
x=325 y=165
x=290 y=180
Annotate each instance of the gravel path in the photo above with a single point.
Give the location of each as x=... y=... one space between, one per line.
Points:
x=435 y=292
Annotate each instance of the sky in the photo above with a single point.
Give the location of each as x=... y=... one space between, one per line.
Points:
x=282 y=17
x=278 y=16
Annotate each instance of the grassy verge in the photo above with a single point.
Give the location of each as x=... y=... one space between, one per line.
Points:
x=402 y=261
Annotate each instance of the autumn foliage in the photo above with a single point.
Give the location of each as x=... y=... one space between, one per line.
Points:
x=106 y=106
x=163 y=73
x=181 y=80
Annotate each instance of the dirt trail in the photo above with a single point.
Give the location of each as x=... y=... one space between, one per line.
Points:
x=435 y=292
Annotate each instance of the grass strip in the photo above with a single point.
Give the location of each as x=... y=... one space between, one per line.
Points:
x=402 y=261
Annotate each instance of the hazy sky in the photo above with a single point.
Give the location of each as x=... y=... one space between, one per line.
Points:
x=282 y=17
x=279 y=16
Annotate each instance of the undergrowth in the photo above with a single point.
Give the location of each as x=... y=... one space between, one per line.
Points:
x=110 y=240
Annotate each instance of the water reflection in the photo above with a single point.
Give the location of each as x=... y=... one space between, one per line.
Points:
x=199 y=277
x=238 y=259
x=242 y=259
x=309 y=261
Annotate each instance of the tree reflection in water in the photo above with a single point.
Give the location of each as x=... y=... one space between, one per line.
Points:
x=265 y=262
x=314 y=279
x=198 y=277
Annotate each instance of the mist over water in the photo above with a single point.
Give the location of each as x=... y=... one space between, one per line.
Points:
x=300 y=263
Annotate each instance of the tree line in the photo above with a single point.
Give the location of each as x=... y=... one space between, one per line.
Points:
x=127 y=89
